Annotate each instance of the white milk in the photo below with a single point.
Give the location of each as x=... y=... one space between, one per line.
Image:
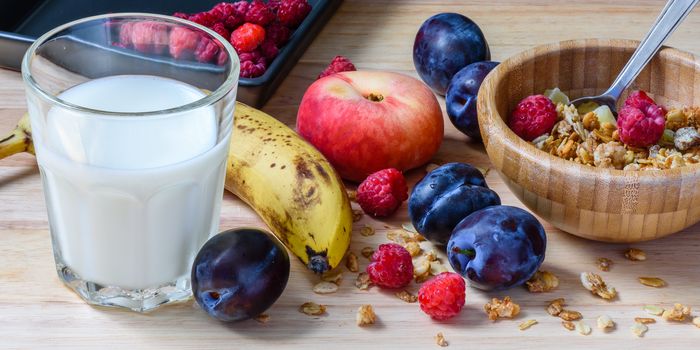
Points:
x=132 y=199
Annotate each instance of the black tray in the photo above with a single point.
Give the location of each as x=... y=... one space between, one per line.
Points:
x=23 y=21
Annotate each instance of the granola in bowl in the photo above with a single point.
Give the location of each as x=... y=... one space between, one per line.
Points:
x=590 y=135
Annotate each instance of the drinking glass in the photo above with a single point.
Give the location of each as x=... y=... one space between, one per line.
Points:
x=131 y=119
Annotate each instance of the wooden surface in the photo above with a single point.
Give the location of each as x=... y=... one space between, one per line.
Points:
x=603 y=204
x=36 y=311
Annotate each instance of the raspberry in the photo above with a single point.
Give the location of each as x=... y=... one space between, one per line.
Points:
x=278 y=34
x=533 y=116
x=206 y=50
x=206 y=19
x=639 y=128
x=149 y=37
x=253 y=64
x=183 y=41
x=240 y=8
x=125 y=34
x=391 y=266
x=382 y=192
x=442 y=296
x=339 y=64
x=247 y=37
x=259 y=13
x=181 y=15
x=220 y=29
x=252 y=70
x=639 y=99
x=269 y=49
x=292 y=12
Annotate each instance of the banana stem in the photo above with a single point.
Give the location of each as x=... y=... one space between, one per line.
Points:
x=19 y=140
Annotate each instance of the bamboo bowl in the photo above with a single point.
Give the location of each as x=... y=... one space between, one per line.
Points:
x=594 y=203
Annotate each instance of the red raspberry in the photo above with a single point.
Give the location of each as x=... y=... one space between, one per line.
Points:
x=206 y=50
x=639 y=99
x=259 y=13
x=278 y=34
x=382 y=192
x=533 y=116
x=292 y=12
x=391 y=266
x=252 y=70
x=339 y=64
x=183 y=42
x=269 y=49
x=639 y=128
x=253 y=64
x=149 y=36
x=181 y=15
x=229 y=14
x=220 y=29
x=247 y=37
x=125 y=34
x=240 y=7
x=442 y=296
x=206 y=19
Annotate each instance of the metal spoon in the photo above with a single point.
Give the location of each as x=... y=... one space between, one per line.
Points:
x=671 y=16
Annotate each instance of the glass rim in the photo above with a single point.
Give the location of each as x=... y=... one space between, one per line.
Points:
x=209 y=99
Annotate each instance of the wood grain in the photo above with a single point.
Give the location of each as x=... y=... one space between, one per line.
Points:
x=37 y=312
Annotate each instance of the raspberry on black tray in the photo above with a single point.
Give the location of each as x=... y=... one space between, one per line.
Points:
x=256 y=29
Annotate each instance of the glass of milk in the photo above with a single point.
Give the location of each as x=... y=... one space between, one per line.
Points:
x=131 y=118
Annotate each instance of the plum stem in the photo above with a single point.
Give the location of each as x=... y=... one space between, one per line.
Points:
x=470 y=253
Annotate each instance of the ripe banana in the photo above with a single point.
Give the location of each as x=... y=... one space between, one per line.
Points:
x=283 y=178
x=19 y=140
x=291 y=186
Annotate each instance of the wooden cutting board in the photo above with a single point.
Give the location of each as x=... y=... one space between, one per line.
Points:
x=36 y=311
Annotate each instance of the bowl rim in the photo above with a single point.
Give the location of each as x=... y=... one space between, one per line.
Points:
x=508 y=139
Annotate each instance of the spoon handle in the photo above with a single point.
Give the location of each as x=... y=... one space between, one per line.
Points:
x=671 y=16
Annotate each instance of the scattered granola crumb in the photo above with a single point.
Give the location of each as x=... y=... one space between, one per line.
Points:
x=437 y=268
x=312 y=309
x=555 y=307
x=409 y=227
x=542 y=281
x=635 y=254
x=421 y=269
x=594 y=283
x=639 y=329
x=653 y=310
x=505 y=308
x=604 y=264
x=431 y=255
x=367 y=231
x=332 y=276
x=324 y=287
x=351 y=262
x=678 y=313
x=357 y=215
x=352 y=195
x=440 y=340
x=696 y=321
x=362 y=282
x=262 y=318
x=644 y=320
x=367 y=252
x=604 y=322
x=570 y=315
x=527 y=324
x=652 y=282
x=406 y=296
x=413 y=248
x=568 y=325
x=583 y=328
x=365 y=316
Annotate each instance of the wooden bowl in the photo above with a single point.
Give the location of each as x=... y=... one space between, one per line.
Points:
x=600 y=204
